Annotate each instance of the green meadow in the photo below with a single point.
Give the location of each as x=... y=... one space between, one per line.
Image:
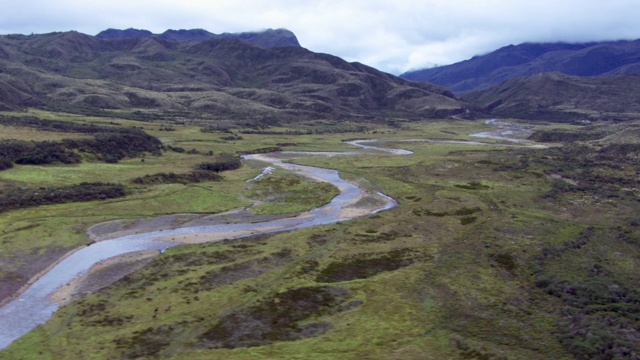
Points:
x=487 y=255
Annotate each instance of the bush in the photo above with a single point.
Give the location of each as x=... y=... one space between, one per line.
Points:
x=223 y=162
x=264 y=150
x=19 y=198
x=5 y=164
x=172 y=178
x=48 y=153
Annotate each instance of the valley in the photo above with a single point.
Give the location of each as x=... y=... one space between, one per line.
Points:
x=195 y=195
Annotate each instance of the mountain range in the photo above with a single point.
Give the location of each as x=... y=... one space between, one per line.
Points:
x=267 y=77
x=608 y=58
x=552 y=81
x=194 y=73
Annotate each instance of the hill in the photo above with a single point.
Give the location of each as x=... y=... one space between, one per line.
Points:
x=556 y=96
x=586 y=59
x=222 y=77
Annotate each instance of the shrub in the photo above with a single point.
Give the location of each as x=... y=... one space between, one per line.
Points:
x=5 y=164
x=173 y=178
x=19 y=198
x=223 y=162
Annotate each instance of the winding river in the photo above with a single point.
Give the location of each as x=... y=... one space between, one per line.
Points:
x=34 y=306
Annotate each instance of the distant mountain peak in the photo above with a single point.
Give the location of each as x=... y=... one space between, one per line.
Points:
x=266 y=38
x=129 y=33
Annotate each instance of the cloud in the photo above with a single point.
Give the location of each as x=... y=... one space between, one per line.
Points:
x=392 y=35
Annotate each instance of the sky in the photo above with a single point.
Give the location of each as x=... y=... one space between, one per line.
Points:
x=391 y=35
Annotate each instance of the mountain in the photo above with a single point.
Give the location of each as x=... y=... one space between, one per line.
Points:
x=124 y=34
x=222 y=77
x=586 y=59
x=557 y=96
x=267 y=38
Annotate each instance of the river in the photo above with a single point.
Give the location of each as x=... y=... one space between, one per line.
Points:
x=34 y=306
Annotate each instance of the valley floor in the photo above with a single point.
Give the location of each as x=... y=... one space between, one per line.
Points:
x=493 y=251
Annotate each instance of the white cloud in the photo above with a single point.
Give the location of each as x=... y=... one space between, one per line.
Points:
x=392 y=35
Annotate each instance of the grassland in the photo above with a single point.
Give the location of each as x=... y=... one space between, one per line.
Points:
x=477 y=261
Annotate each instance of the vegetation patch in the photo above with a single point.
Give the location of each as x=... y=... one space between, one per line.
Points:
x=372 y=236
x=466 y=220
x=568 y=135
x=602 y=171
x=365 y=267
x=242 y=270
x=173 y=265
x=600 y=317
x=287 y=316
x=460 y=212
x=173 y=178
x=37 y=153
x=473 y=185
x=19 y=198
x=223 y=162
x=600 y=314
x=504 y=260
x=264 y=150
x=109 y=143
x=146 y=342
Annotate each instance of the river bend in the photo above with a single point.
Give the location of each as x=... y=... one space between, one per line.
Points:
x=34 y=306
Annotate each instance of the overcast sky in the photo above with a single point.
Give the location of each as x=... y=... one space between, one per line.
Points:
x=391 y=35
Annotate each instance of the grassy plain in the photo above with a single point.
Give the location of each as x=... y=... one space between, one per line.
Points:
x=464 y=267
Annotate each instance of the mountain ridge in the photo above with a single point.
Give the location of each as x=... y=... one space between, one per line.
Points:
x=604 y=58
x=265 y=38
x=561 y=97
x=220 y=77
